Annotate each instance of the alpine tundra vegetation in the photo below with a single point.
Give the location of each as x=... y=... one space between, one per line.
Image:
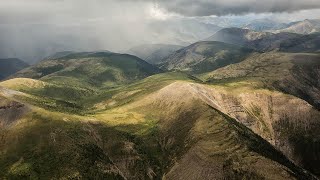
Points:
x=186 y=90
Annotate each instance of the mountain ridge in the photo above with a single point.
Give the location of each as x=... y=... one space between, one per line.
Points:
x=205 y=56
x=306 y=26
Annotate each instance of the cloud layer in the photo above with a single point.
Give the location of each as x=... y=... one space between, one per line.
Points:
x=33 y=29
x=235 y=7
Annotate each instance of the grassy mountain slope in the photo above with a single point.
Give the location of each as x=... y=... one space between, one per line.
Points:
x=75 y=99
x=278 y=70
x=306 y=43
x=52 y=96
x=64 y=84
x=205 y=56
x=287 y=42
x=73 y=121
x=287 y=122
x=154 y=53
x=11 y=66
x=272 y=41
x=290 y=73
x=208 y=133
x=90 y=69
x=171 y=131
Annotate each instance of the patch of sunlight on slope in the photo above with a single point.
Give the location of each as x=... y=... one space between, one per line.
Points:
x=135 y=91
x=182 y=113
x=22 y=83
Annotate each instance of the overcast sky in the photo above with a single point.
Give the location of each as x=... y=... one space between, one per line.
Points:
x=31 y=29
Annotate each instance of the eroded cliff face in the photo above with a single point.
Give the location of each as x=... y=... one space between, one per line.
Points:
x=287 y=122
x=199 y=134
x=304 y=81
x=297 y=74
x=10 y=110
x=290 y=123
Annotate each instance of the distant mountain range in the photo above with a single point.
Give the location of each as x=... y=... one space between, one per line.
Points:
x=302 y=27
x=306 y=26
x=237 y=36
x=154 y=53
x=182 y=31
x=266 y=41
x=206 y=56
x=265 y=25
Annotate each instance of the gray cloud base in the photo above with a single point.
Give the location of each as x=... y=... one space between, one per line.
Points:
x=32 y=29
x=235 y=7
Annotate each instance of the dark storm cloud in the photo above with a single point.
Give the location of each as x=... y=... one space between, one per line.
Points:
x=235 y=7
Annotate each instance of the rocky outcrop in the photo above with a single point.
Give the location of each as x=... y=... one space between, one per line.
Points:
x=11 y=111
x=287 y=122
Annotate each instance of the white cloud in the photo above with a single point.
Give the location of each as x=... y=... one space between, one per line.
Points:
x=157 y=13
